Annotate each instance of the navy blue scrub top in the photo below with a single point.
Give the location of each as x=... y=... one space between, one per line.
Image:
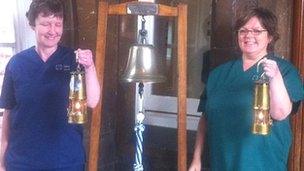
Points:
x=227 y=106
x=36 y=92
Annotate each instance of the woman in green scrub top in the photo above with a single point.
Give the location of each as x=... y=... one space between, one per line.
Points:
x=227 y=103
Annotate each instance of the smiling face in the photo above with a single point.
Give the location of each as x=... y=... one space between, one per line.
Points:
x=48 y=30
x=254 y=40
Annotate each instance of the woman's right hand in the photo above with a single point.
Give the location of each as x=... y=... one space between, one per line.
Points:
x=195 y=165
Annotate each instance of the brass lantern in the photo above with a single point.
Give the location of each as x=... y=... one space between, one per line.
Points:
x=261 y=118
x=77 y=110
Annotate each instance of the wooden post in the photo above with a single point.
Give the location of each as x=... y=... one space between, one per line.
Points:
x=182 y=87
x=296 y=159
x=96 y=120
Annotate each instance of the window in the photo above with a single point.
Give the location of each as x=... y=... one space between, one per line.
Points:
x=161 y=102
x=13 y=27
x=7 y=32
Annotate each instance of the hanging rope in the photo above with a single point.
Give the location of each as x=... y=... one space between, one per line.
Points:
x=139 y=129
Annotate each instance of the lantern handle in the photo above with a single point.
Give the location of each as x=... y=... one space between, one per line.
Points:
x=262 y=76
x=77 y=60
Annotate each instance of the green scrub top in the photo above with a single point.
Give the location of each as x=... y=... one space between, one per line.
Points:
x=227 y=106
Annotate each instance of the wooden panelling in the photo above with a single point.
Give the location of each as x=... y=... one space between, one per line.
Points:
x=296 y=160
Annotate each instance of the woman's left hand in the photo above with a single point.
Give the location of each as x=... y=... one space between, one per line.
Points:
x=85 y=57
x=271 y=68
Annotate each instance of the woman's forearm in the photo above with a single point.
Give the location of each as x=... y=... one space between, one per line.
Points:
x=200 y=137
x=280 y=103
x=92 y=87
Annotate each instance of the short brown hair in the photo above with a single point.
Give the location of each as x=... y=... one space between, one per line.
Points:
x=46 y=7
x=268 y=20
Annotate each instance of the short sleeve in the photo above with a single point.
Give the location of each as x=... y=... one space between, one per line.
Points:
x=7 y=99
x=293 y=83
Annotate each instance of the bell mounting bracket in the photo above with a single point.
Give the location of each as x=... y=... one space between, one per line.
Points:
x=142 y=8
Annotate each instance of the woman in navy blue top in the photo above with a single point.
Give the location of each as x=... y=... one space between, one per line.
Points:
x=35 y=132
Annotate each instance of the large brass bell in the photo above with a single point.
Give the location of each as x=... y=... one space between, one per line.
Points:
x=142 y=65
x=77 y=110
x=261 y=120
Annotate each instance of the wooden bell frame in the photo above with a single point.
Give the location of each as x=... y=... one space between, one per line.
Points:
x=180 y=12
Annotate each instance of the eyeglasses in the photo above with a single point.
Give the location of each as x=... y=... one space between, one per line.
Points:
x=255 y=32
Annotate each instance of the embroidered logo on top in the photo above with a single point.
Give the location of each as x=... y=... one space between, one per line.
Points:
x=58 y=67
x=61 y=67
x=66 y=67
